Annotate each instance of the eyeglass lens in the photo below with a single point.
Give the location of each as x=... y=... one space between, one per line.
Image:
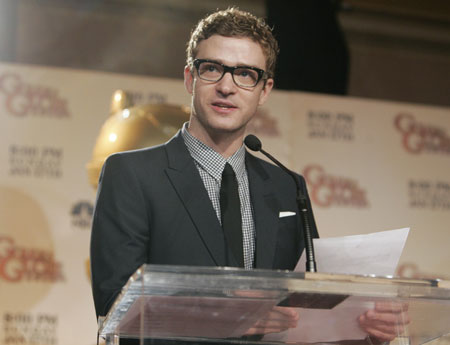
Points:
x=242 y=76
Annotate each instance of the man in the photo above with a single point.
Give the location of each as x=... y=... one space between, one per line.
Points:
x=163 y=205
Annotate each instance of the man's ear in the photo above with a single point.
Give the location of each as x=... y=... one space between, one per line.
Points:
x=265 y=91
x=188 y=79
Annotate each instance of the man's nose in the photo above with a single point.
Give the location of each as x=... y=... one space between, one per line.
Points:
x=226 y=85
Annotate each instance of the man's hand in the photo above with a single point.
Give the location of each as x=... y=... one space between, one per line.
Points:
x=385 y=321
x=276 y=320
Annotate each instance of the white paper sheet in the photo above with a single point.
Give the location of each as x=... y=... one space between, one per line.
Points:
x=376 y=253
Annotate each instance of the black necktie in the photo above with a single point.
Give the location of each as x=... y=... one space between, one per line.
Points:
x=230 y=209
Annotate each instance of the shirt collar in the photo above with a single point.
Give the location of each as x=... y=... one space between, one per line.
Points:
x=210 y=160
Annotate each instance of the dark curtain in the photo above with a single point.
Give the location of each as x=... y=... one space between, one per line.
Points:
x=313 y=52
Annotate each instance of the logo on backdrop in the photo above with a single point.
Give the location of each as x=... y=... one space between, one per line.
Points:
x=25 y=264
x=28 y=267
x=25 y=99
x=420 y=137
x=327 y=190
x=29 y=328
x=332 y=126
x=263 y=124
x=81 y=214
x=431 y=195
x=35 y=161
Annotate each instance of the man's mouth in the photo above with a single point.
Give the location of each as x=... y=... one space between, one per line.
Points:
x=224 y=105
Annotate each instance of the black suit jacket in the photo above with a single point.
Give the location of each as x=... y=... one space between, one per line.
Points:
x=152 y=207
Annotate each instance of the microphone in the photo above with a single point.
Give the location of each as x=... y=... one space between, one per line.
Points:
x=254 y=144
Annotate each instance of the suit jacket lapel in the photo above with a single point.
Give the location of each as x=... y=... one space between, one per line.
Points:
x=265 y=212
x=186 y=180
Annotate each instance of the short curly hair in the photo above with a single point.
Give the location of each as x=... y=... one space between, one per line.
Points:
x=233 y=22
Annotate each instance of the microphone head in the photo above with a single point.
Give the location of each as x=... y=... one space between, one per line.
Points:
x=252 y=142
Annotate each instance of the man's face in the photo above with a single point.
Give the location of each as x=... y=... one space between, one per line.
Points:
x=223 y=107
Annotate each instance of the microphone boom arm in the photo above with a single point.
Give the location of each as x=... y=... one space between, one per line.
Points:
x=302 y=206
x=254 y=144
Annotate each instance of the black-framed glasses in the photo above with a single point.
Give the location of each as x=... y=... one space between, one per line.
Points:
x=243 y=76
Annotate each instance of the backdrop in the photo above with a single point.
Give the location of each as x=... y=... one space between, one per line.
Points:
x=370 y=166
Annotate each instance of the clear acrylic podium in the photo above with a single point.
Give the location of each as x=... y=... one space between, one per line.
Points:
x=217 y=305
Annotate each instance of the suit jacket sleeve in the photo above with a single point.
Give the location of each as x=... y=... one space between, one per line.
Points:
x=120 y=221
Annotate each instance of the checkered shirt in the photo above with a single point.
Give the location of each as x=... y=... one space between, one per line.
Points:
x=210 y=165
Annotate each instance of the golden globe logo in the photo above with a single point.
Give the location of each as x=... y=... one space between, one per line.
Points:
x=418 y=137
x=327 y=190
x=22 y=99
x=27 y=264
x=28 y=268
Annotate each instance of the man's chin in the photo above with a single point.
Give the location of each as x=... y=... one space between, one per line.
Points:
x=227 y=127
x=228 y=130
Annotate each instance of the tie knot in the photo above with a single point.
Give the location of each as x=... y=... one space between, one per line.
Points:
x=228 y=170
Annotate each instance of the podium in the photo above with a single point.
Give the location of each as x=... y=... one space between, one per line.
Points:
x=218 y=305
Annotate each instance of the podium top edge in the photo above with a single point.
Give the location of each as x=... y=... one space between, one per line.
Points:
x=283 y=274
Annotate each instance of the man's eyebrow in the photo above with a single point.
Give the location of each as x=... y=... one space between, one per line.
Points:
x=236 y=65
